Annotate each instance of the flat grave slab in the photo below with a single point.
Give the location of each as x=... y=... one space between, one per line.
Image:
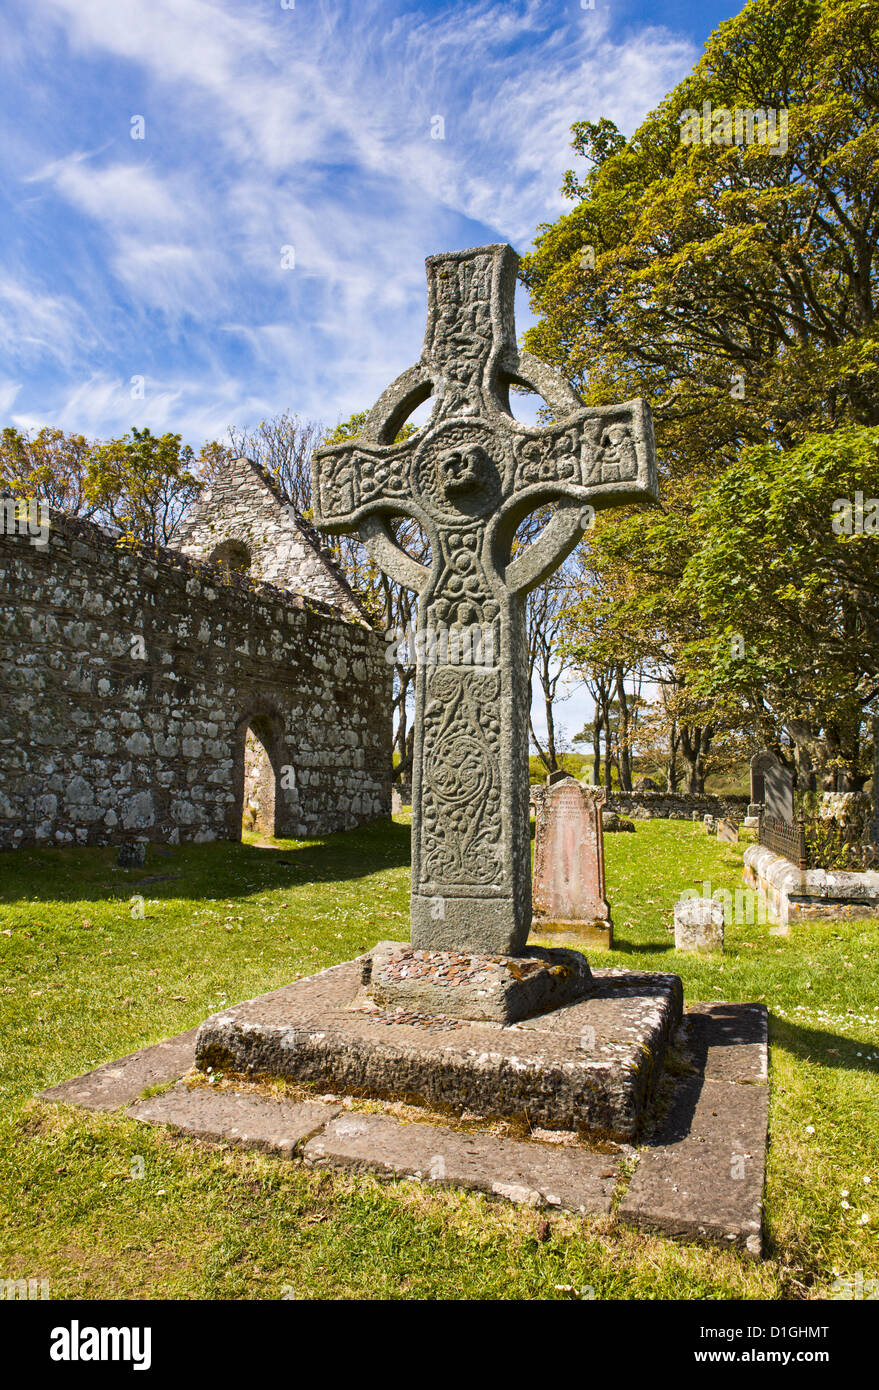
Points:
x=536 y=1174
x=119 y=1083
x=591 y=1065
x=701 y=1177
x=727 y=1042
x=238 y=1117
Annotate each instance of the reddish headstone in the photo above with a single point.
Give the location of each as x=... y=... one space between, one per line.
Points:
x=568 y=890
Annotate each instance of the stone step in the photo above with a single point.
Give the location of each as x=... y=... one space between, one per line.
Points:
x=119 y=1083
x=537 y=1174
x=244 y=1118
x=702 y=1176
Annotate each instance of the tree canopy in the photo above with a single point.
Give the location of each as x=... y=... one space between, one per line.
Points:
x=733 y=282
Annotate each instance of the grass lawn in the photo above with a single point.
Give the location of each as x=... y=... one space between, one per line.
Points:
x=85 y=981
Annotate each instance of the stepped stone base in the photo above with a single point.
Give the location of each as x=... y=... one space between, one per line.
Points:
x=590 y=1065
x=700 y=1167
x=500 y=989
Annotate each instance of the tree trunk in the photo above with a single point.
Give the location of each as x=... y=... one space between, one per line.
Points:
x=625 y=755
x=596 y=748
x=876 y=781
x=695 y=744
x=672 y=775
x=608 y=745
x=552 y=765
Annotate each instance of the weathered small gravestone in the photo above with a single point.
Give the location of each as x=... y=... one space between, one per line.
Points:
x=710 y=824
x=569 y=890
x=779 y=798
x=132 y=854
x=613 y=824
x=558 y=775
x=698 y=924
x=727 y=831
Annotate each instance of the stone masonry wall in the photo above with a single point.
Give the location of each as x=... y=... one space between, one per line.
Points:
x=128 y=681
x=243 y=505
x=676 y=805
x=669 y=805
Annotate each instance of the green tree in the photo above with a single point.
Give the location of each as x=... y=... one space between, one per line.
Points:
x=786 y=578
x=144 y=484
x=733 y=285
x=50 y=465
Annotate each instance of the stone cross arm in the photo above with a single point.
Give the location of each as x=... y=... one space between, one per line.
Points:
x=473 y=462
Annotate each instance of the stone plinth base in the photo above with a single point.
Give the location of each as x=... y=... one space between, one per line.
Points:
x=500 y=989
x=590 y=1065
x=598 y=932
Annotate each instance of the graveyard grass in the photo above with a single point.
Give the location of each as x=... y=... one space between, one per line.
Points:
x=84 y=982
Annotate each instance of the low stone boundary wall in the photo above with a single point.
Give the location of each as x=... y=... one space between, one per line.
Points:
x=677 y=805
x=809 y=894
x=668 y=805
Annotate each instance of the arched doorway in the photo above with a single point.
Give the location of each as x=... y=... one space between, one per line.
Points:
x=258 y=763
x=258 y=800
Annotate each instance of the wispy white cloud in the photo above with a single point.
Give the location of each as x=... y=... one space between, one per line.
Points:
x=310 y=128
x=34 y=325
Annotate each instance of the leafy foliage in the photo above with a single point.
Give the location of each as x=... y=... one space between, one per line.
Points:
x=735 y=286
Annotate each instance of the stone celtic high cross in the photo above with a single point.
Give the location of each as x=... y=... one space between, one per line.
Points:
x=469 y=478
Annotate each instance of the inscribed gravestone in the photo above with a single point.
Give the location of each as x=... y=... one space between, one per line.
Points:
x=569 y=888
x=469 y=478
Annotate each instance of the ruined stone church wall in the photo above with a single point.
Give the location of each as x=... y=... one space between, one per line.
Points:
x=128 y=681
x=241 y=506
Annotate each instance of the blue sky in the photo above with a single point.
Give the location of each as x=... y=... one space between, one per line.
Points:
x=269 y=127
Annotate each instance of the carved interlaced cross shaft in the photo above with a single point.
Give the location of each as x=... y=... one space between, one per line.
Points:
x=469 y=478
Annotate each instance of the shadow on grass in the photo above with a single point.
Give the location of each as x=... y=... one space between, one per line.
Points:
x=830 y=1050
x=224 y=868
x=641 y=948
